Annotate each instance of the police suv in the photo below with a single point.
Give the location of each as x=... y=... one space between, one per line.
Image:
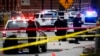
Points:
x=46 y=18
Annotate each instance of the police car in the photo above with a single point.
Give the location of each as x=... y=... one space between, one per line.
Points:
x=15 y=24
x=46 y=18
x=20 y=24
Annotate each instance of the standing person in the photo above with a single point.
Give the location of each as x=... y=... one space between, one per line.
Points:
x=77 y=22
x=60 y=23
x=32 y=33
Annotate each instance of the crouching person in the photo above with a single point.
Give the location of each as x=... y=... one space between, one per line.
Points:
x=8 y=43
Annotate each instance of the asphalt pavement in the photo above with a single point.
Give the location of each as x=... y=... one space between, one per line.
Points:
x=58 y=48
x=65 y=49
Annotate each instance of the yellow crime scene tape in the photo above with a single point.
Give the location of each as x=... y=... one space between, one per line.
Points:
x=47 y=40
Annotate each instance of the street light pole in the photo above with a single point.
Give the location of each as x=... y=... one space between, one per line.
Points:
x=97 y=40
x=96 y=5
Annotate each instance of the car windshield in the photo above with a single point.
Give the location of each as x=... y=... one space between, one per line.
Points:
x=16 y=24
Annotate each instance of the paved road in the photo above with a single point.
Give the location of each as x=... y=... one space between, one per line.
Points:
x=71 y=52
x=68 y=49
x=65 y=48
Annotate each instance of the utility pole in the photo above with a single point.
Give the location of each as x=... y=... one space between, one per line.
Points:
x=96 y=6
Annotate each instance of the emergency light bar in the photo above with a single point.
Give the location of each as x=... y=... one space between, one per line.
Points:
x=91 y=14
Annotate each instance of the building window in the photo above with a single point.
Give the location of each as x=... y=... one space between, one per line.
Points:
x=25 y=2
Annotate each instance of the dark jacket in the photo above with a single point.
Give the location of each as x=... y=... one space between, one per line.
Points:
x=32 y=33
x=31 y=24
x=60 y=24
x=77 y=22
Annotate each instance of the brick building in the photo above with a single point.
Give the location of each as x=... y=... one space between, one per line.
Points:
x=35 y=5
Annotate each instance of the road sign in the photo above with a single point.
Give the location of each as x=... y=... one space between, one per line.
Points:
x=66 y=3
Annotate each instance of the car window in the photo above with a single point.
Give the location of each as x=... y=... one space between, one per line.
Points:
x=53 y=15
x=47 y=15
x=73 y=13
x=17 y=24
